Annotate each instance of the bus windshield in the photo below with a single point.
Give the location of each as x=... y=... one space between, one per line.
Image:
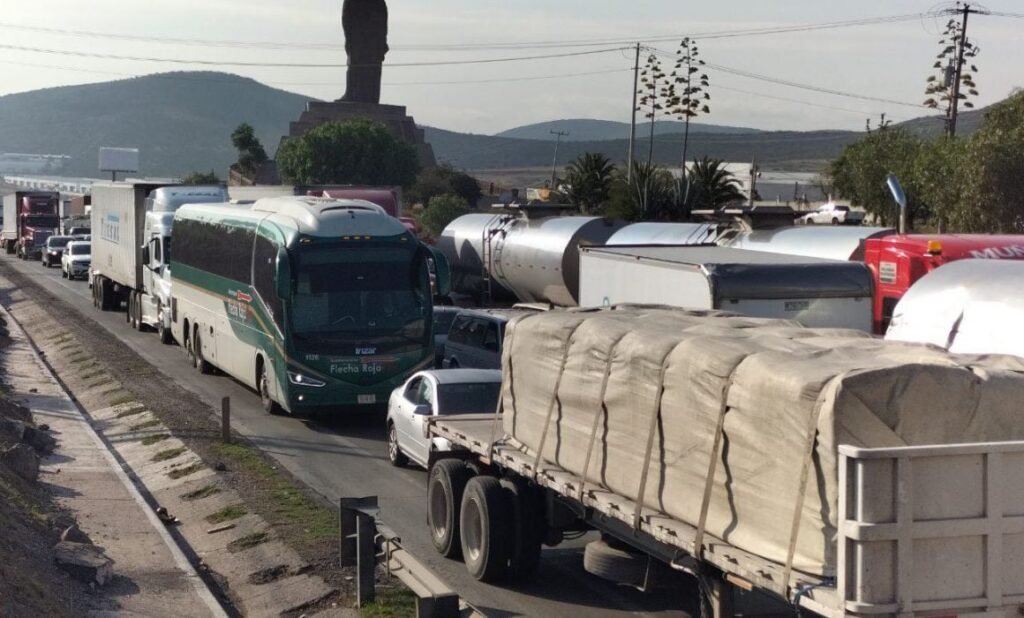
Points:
x=361 y=296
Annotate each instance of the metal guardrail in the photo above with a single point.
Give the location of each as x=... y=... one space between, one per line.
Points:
x=366 y=542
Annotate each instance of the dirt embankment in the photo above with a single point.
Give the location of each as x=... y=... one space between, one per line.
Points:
x=30 y=525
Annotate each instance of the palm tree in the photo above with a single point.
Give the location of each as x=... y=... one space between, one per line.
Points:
x=590 y=181
x=711 y=185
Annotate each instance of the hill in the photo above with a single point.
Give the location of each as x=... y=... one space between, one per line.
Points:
x=933 y=126
x=490 y=152
x=589 y=130
x=181 y=121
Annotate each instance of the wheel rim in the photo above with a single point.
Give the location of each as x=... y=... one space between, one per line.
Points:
x=438 y=512
x=264 y=388
x=472 y=531
x=392 y=443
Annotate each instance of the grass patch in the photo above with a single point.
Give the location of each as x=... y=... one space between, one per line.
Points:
x=61 y=336
x=151 y=440
x=288 y=503
x=89 y=375
x=146 y=425
x=187 y=470
x=106 y=380
x=392 y=602
x=170 y=453
x=228 y=513
x=202 y=492
x=132 y=411
x=78 y=356
x=248 y=541
x=121 y=399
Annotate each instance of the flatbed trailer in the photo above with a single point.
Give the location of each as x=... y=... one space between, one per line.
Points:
x=923 y=531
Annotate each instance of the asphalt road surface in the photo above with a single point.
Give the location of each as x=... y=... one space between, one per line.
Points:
x=349 y=458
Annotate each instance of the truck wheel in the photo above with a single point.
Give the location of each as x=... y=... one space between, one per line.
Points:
x=197 y=353
x=445 y=488
x=528 y=526
x=484 y=521
x=395 y=454
x=614 y=564
x=165 y=334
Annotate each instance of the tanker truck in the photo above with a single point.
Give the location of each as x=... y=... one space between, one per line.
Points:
x=131 y=248
x=30 y=217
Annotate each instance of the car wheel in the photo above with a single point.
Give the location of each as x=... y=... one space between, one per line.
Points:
x=453 y=363
x=835 y=221
x=269 y=405
x=395 y=454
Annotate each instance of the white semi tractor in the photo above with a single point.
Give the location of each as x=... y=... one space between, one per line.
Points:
x=131 y=247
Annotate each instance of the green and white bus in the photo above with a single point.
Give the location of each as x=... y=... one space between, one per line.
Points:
x=317 y=304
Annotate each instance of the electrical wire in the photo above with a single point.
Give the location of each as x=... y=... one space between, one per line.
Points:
x=301 y=65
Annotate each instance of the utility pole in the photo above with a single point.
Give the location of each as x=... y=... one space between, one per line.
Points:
x=632 y=121
x=755 y=171
x=554 y=163
x=962 y=43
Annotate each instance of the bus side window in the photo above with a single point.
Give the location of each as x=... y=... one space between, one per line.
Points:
x=264 y=276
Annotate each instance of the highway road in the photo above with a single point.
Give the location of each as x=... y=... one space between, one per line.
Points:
x=349 y=458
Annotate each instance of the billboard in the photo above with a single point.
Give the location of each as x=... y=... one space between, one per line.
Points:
x=119 y=159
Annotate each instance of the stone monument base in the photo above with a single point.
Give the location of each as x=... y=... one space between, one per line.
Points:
x=394 y=117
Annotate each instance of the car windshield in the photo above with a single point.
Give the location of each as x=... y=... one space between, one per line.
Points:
x=57 y=242
x=443 y=321
x=41 y=221
x=468 y=398
x=80 y=249
x=360 y=296
x=843 y=208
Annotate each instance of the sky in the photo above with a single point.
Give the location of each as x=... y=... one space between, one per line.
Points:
x=887 y=61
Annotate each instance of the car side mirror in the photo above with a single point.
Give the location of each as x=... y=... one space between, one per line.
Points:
x=423 y=410
x=145 y=255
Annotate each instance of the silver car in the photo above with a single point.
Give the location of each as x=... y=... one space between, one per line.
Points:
x=434 y=393
x=76 y=259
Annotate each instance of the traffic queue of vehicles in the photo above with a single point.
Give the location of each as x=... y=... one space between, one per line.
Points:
x=30 y=217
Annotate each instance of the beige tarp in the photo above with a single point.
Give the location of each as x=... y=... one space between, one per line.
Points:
x=627 y=366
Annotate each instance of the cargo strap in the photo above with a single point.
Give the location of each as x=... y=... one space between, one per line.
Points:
x=709 y=480
x=554 y=400
x=655 y=415
x=805 y=471
x=597 y=417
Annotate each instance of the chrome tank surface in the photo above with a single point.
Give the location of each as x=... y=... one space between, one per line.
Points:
x=837 y=242
x=462 y=242
x=652 y=233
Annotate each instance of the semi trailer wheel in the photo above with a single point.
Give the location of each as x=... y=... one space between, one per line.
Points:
x=166 y=337
x=528 y=526
x=615 y=564
x=484 y=522
x=445 y=488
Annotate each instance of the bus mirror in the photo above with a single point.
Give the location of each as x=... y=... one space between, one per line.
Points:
x=441 y=272
x=145 y=255
x=284 y=276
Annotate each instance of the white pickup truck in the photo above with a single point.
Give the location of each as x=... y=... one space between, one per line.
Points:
x=833 y=214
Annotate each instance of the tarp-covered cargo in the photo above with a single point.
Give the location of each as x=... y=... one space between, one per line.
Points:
x=607 y=387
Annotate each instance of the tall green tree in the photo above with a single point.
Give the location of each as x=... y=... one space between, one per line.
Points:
x=860 y=172
x=440 y=211
x=353 y=152
x=688 y=94
x=711 y=185
x=201 y=178
x=251 y=154
x=589 y=179
x=994 y=172
x=441 y=179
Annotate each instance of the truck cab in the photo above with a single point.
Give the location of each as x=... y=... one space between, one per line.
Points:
x=898 y=261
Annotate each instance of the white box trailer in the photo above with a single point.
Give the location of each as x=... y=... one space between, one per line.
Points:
x=131 y=236
x=815 y=292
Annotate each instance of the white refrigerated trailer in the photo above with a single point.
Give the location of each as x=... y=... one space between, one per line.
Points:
x=815 y=292
x=131 y=247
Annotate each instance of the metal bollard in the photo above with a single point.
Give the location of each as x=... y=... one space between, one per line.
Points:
x=358 y=544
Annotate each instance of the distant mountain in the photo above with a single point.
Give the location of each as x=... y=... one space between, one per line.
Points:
x=182 y=122
x=490 y=152
x=967 y=122
x=588 y=130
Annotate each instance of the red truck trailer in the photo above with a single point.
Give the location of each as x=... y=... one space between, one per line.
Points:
x=30 y=217
x=898 y=261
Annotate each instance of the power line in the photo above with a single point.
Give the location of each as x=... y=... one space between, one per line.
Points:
x=300 y=65
x=473 y=46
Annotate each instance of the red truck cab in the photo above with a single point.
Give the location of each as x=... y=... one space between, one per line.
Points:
x=898 y=261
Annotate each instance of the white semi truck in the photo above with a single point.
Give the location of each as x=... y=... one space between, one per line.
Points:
x=818 y=467
x=131 y=247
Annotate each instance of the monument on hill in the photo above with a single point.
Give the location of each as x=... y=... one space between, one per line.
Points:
x=365 y=23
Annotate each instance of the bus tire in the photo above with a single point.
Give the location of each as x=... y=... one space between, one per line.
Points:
x=446 y=485
x=263 y=385
x=484 y=521
x=614 y=564
x=528 y=526
x=201 y=364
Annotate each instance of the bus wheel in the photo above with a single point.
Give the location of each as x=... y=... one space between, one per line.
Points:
x=269 y=405
x=484 y=521
x=197 y=354
x=445 y=487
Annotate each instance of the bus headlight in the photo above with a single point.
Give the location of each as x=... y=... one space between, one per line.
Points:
x=301 y=379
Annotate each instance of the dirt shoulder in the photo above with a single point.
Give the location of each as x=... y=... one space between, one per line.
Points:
x=279 y=544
